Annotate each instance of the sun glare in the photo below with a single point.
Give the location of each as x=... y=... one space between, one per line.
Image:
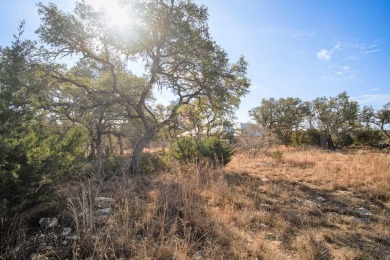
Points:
x=117 y=12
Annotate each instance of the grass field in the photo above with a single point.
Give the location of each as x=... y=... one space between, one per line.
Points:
x=302 y=204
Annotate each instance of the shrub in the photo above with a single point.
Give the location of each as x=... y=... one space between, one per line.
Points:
x=277 y=155
x=190 y=149
x=368 y=136
x=151 y=162
x=344 y=139
x=311 y=137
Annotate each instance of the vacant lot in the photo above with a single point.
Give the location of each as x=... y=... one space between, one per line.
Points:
x=302 y=204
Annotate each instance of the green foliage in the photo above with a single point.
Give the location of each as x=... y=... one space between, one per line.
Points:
x=179 y=57
x=151 y=162
x=20 y=170
x=277 y=155
x=310 y=137
x=367 y=136
x=379 y=118
x=336 y=114
x=190 y=149
x=344 y=139
x=67 y=150
x=23 y=152
x=31 y=162
x=284 y=117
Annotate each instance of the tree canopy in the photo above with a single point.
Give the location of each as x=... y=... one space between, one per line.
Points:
x=169 y=38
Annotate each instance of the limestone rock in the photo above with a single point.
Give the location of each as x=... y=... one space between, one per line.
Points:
x=48 y=222
x=66 y=231
x=363 y=212
x=103 y=212
x=321 y=199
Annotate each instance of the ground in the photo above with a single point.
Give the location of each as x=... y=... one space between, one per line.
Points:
x=300 y=204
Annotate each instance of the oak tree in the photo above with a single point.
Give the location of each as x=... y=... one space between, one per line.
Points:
x=169 y=38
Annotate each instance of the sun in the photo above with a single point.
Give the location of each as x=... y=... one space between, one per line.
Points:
x=117 y=12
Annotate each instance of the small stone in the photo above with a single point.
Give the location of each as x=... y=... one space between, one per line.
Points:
x=48 y=222
x=363 y=212
x=66 y=231
x=104 y=211
x=53 y=222
x=321 y=199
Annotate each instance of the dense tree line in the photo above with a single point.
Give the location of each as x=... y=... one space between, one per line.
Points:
x=295 y=121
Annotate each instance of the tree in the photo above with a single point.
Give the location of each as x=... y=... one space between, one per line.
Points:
x=172 y=41
x=265 y=114
x=29 y=152
x=93 y=106
x=202 y=119
x=18 y=177
x=336 y=115
x=380 y=118
x=284 y=116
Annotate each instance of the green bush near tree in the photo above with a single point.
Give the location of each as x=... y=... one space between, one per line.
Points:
x=194 y=149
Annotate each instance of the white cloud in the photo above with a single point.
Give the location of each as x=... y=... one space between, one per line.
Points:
x=375 y=89
x=364 y=49
x=336 y=47
x=354 y=58
x=346 y=71
x=324 y=54
x=373 y=99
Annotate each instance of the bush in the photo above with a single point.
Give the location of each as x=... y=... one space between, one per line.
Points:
x=368 y=136
x=311 y=137
x=344 y=139
x=190 y=149
x=277 y=155
x=150 y=163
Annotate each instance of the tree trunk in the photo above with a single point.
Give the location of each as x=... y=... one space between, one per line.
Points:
x=99 y=151
x=99 y=146
x=120 y=142
x=110 y=144
x=138 y=149
x=93 y=149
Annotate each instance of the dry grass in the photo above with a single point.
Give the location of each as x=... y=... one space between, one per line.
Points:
x=305 y=205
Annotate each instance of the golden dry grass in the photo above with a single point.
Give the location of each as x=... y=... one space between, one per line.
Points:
x=308 y=204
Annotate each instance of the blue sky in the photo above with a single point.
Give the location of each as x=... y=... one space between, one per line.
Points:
x=300 y=48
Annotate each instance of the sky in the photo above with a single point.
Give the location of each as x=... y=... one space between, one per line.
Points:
x=301 y=48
